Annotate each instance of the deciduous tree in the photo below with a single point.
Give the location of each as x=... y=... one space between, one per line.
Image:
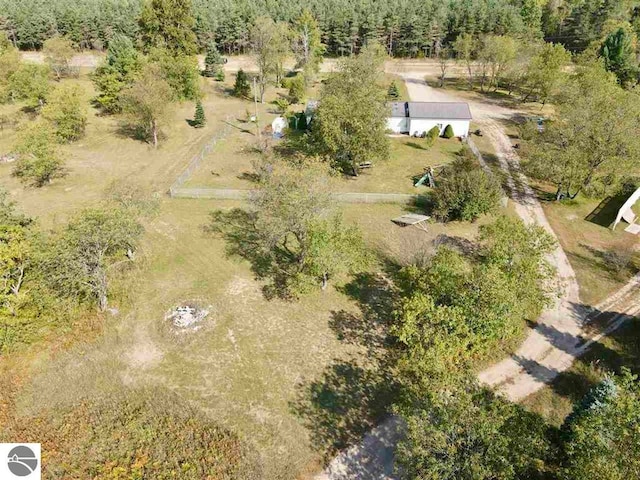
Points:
x=594 y=141
x=464 y=191
x=293 y=235
x=66 y=111
x=307 y=44
x=148 y=102
x=58 y=52
x=545 y=72
x=269 y=43
x=350 y=124
x=39 y=161
x=94 y=243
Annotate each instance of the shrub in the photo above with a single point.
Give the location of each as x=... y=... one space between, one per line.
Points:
x=448 y=132
x=220 y=76
x=297 y=89
x=393 y=93
x=464 y=191
x=39 y=161
x=66 y=112
x=241 y=88
x=144 y=433
x=432 y=135
x=282 y=104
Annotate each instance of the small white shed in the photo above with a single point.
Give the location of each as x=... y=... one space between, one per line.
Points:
x=417 y=118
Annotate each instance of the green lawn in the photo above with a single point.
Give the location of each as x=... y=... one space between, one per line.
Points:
x=230 y=165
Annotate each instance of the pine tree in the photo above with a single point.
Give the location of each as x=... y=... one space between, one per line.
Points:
x=241 y=88
x=393 y=93
x=212 y=61
x=199 y=120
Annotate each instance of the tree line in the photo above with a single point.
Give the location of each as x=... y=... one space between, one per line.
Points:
x=405 y=28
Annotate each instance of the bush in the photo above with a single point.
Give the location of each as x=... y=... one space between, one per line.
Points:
x=448 y=132
x=220 y=76
x=393 y=93
x=39 y=161
x=66 y=112
x=297 y=89
x=464 y=191
x=145 y=433
x=432 y=135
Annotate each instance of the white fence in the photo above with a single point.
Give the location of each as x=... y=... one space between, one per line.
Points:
x=235 y=194
x=194 y=163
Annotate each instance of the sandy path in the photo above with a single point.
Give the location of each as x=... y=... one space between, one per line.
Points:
x=549 y=349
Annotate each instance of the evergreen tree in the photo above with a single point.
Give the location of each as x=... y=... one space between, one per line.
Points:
x=168 y=24
x=241 y=88
x=393 y=93
x=620 y=57
x=213 y=61
x=199 y=119
x=116 y=73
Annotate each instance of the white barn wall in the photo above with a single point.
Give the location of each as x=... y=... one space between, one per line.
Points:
x=398 y=124
x=420 y=125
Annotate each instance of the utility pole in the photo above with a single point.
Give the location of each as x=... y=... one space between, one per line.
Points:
x=255 y=101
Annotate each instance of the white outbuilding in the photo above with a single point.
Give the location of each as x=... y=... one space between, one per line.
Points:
x=417 y=118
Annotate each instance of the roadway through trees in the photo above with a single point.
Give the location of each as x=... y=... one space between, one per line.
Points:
x=560 y=335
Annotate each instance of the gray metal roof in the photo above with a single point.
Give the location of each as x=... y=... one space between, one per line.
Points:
x=432 y=110
x=399 y=109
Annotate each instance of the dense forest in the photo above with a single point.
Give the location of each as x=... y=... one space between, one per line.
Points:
x=406 y=28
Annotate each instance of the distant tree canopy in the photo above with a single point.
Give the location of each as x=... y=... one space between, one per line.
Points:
x=404 y=27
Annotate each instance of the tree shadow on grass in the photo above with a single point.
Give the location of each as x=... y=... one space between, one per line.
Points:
x=368 y=327
x=238 y=228
x=417 y=146
x=353 y=395
x=343 y=404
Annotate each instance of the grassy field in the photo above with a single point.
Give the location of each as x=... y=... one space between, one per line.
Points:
x=230 y=165
x=297 y=379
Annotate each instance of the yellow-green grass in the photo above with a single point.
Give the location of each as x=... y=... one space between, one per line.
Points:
x=230 y=165
x=252 y=365
x=587 y=245
x=104 y=155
